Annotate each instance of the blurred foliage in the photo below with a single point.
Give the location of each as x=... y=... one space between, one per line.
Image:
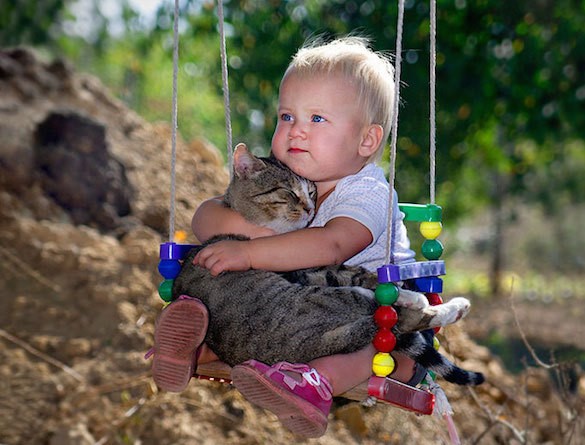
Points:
x=510 y=90
x=29 y=21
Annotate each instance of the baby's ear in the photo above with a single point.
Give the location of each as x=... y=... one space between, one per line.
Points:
x=245 y=163
x=371 y=140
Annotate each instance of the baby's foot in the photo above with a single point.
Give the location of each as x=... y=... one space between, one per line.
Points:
x=181 y=328
x=299 y=396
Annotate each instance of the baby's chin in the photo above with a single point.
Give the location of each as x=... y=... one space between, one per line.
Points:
x=294 y=166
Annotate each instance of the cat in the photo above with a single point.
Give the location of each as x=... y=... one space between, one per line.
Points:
x=301 y=315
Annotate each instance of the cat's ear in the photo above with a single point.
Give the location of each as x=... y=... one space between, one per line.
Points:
x=245 y=163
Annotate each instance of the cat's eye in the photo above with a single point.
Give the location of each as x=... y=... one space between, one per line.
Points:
x=292 y=195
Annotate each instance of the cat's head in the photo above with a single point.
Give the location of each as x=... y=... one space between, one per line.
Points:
x=267 y=193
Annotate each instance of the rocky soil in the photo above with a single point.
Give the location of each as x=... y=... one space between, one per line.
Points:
x=84 y=204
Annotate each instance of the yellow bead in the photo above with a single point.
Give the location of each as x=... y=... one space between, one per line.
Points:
x=430 y=229
x=383 y=364
x=436 y=343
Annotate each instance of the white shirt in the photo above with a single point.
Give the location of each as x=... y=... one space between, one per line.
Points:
x=364 y=197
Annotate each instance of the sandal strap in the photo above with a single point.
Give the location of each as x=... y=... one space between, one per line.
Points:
x=308 y=374
x=320 y=383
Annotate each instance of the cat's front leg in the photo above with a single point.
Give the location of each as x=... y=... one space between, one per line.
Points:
x=369 y=294
x=411 y=300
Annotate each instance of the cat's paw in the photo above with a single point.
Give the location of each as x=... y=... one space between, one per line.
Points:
x=452 y=311
x=411 y=300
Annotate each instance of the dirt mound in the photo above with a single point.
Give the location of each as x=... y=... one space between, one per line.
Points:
x=84 y=203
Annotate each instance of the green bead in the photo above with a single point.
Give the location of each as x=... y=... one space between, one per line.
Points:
x=432 y=249
x=165 y=290
x=386 y=294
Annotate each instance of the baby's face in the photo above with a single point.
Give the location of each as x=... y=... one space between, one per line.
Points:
x=320 y=131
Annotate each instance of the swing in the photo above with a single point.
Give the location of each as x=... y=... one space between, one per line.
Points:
x=422 y=276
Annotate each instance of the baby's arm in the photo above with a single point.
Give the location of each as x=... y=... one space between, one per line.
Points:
x=340 y=239
x=213 y=217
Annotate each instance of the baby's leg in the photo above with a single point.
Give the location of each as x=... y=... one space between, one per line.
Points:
x=345 y=371
x=300 y=395
x=206 y=355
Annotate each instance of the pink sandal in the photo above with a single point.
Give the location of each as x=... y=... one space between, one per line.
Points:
x=180 y=330
x=301 y=406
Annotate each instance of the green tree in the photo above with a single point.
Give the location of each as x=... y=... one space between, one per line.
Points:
x=30 y=22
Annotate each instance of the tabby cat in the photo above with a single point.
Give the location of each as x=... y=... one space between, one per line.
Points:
x=301 y=315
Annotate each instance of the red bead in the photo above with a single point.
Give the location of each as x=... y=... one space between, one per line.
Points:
x=385 y=317
x=434 y=299
x=384 y=341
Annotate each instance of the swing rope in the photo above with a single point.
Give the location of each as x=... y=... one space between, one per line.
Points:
x=225 y=87
x=392 y=170
x=432 y=113
x=174 y=112
x=432 y=117
x=172 y=209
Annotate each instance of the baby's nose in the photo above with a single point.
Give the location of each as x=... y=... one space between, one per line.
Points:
x=297 y=131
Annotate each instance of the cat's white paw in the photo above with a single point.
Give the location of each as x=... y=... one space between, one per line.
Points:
x=452 y=311
x=412 y=300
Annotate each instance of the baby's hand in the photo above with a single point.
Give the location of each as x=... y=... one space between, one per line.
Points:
x=224 y=255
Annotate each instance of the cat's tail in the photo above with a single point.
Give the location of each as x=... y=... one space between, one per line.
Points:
x=416 y=346
x=454 y=374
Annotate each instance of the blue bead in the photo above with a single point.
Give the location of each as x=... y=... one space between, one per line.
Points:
x=429 y=284
x=169 y=269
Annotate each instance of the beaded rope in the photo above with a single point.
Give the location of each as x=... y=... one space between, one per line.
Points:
x=423 y=275
x=171 y=253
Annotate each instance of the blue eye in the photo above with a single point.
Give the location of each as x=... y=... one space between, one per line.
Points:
x=317 y=118
x=286 y=117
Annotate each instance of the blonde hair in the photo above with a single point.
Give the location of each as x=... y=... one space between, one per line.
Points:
x=371 y=72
